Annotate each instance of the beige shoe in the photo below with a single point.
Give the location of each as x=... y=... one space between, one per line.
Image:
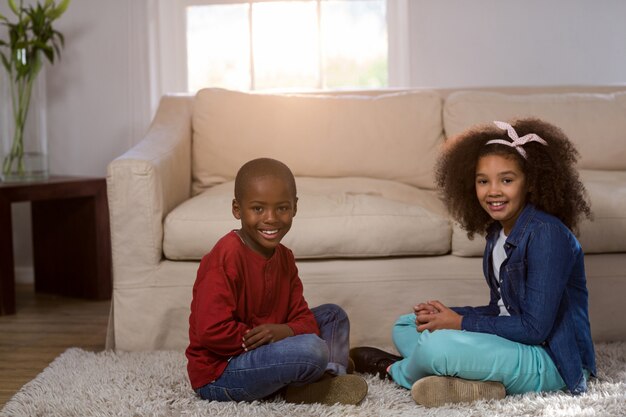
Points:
x=329 y=390
x=435 y=391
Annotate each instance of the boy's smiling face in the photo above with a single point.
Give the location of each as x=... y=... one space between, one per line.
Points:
x=266 y=211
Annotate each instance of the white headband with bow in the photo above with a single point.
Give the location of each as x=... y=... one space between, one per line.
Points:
x=517 y=141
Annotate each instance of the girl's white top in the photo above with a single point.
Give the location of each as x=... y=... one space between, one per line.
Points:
x=498 y=256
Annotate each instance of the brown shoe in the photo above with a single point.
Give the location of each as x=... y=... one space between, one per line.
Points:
x=370 y=360
x=350 y=367
x=435 y=391
x=329 y=390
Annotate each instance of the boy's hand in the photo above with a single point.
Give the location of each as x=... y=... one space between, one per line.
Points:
x=264 y=334
x=436 y=316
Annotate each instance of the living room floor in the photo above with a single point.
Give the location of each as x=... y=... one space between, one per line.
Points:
x=43 y=328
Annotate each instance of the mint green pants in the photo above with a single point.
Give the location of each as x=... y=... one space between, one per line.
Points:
x=469 y=355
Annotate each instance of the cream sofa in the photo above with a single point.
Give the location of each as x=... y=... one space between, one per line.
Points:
x=371 y=234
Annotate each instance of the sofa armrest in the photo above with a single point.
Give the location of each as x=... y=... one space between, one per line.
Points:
x=146 y=183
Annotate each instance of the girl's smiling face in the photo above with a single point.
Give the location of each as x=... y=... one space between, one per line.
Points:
x=501 y=188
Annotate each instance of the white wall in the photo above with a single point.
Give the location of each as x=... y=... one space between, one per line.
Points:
x=92 y=90
x=98 y=94
x=460 y=43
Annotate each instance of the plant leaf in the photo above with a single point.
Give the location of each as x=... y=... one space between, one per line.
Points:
x=59 y=10
x=13 y=7
x=31 y=38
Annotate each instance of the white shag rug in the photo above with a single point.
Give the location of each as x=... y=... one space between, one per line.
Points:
x=85 y=384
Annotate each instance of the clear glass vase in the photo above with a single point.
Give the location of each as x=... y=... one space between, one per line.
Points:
x=23 y=152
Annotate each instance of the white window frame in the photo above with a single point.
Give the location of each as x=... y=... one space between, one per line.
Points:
x=168 y=49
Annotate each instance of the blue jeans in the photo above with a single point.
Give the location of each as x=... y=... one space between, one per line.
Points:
x=295 y=360
x=470 y=355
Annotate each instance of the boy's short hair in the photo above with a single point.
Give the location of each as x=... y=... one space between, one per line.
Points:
x=263 y=167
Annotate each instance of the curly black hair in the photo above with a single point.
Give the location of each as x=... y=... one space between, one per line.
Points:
x=550 y=172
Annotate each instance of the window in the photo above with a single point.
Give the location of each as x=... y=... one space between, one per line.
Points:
x=284 y=44
x=287 y=44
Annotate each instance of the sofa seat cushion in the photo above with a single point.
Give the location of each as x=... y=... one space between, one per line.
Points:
x=605 y=233
x=393 y=136
x=337 y=217
x=595 y=123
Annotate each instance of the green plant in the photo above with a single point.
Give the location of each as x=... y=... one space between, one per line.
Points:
x=30 y=37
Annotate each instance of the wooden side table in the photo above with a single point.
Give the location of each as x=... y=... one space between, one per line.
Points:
x=71 y=238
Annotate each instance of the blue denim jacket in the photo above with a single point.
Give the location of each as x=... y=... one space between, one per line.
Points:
x=543 y=286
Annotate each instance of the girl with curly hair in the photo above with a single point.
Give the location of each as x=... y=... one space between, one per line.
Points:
x=517 y=185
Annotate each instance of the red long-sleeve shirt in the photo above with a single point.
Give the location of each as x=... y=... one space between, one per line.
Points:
x=237 y=289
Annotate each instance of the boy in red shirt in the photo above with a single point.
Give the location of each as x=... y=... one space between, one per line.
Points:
x=251 y=332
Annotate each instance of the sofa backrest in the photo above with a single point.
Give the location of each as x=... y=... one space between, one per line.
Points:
x=595 y=123
x=389 y=134
x=393 y=136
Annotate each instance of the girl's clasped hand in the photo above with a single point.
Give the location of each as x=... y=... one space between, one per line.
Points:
x=434 y=315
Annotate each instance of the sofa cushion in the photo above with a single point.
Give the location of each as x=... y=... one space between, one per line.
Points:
x=391 y=136
x=605 y=233
x=595 y=123
x=341 y=217
x=462 y=246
